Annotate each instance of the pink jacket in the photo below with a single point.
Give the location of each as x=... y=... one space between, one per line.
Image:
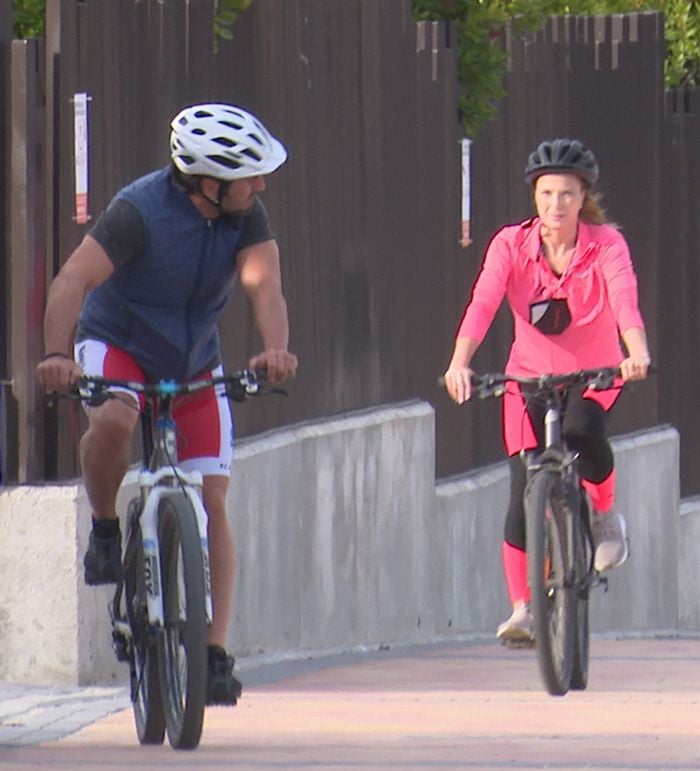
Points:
x=600 y=287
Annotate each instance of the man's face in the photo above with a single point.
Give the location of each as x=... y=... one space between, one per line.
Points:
x=240 y=194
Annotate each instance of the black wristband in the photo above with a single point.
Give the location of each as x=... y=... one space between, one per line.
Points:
x=57 y=353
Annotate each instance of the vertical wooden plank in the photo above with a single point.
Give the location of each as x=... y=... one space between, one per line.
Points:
x=61 y=56
x=27 y=280
x=679 y=278
x=6 y=15
x=7 y=445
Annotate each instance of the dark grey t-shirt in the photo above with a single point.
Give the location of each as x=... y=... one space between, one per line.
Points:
x=120 y=230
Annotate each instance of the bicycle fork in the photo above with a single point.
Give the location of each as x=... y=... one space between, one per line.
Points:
x=150 y=482
x=149 y=532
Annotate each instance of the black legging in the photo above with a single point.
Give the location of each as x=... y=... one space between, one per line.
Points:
x=584 y=430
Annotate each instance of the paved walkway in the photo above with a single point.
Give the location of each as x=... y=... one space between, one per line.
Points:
x=458 y=706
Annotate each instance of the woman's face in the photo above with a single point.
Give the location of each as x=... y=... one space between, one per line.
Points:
x=558 y=200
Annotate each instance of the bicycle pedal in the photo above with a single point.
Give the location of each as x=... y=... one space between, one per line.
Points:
x=518 y=644
x=120 y=646
x=602 y=581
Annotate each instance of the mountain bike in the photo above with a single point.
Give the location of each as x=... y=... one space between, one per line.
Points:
x=559 y=541
x=162 y=607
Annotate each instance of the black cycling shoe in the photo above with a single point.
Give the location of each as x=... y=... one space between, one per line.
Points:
x=222 y=686
x=103 y=559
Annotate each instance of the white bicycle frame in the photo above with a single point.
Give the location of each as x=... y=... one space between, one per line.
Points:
x=156 y=485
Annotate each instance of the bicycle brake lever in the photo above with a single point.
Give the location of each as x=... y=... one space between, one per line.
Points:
x=602 y=382
x=236 y=391
x=486 y=390
x=91 y=394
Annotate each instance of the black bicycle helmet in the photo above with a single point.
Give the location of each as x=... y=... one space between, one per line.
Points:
x=562 y=155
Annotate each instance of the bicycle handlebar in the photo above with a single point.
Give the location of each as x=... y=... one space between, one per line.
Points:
x=495 y=384
x=239 y=386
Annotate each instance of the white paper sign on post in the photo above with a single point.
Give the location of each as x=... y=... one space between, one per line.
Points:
x=466 y=192
x=81 y=157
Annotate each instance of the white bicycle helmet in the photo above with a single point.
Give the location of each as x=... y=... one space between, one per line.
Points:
x=224 y=142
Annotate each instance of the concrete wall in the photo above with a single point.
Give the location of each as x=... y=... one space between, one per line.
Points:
x=345 y=541
x=689 y=565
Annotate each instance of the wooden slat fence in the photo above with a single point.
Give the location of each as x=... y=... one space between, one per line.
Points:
x=368 y=208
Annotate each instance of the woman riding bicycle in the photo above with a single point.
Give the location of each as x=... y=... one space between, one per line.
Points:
x=572 y=291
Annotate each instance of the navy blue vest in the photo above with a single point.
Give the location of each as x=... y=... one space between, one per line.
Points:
x=162 y=306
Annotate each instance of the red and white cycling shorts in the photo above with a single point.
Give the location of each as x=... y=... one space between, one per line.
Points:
x=204 y=419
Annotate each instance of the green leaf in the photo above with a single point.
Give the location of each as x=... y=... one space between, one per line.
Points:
x=482 y=60
x=226 y=13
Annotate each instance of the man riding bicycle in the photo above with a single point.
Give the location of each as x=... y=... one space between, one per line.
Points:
x=142 y=295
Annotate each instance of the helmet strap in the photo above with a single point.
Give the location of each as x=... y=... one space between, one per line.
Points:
x=221 y=192
x=223 y=189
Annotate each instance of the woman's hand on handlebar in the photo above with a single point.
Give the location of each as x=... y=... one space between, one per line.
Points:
x=634 y=368
x=278 y=364
x=458 y=382
x=58 y=373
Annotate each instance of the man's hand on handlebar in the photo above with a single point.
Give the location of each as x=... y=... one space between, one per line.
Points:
x=278 y=364
x=58 y=372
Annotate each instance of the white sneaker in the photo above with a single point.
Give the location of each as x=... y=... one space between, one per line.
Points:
x=517 y=630
x=609 y=539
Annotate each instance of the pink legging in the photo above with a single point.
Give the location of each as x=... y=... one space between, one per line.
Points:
x=515 y=559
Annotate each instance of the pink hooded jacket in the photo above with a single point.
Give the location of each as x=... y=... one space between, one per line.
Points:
x=600 y=287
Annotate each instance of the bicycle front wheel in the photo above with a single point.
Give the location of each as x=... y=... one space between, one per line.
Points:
x=182 y=652
x=549 y=572
x=583 y=568
x=146 y=698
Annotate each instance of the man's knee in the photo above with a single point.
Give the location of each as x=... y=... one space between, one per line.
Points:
x=113 y=421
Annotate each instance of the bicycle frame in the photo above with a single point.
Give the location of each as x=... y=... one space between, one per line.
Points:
x=160 y=475
x=565 y=459
x=155 y=482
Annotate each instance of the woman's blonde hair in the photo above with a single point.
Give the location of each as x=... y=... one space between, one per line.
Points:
x=592 y=210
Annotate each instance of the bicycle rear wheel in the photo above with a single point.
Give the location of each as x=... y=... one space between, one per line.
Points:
x=182 y=652
x=552 y=595
x=582 y=572
x=146 y=698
